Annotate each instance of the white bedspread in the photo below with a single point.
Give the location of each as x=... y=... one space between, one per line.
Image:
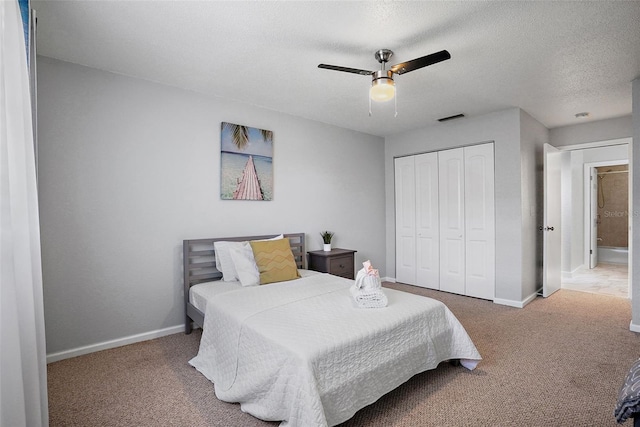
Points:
x=301 y=352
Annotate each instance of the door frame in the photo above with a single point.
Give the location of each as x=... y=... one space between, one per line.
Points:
x=588 y=204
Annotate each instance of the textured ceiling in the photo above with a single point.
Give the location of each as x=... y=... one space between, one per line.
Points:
x=552 y=59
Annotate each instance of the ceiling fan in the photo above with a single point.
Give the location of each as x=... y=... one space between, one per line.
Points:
x=382 y=84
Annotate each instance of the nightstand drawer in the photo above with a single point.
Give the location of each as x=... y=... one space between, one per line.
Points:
x=337 y=261
x=342 y=266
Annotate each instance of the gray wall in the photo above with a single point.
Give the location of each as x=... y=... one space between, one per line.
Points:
x=593 y=131
x=573 y=212
x=129 y=168
x=503 y=128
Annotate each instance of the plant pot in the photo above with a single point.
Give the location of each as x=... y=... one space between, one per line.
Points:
x=327 y=247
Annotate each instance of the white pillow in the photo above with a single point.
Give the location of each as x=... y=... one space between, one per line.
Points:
x=224 y=263
x=245 y=265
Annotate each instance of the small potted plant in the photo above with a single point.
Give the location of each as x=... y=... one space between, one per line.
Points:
x=326 y=238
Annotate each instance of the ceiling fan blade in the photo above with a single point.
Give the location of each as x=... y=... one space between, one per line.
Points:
x=346 y=69
x=417 y=63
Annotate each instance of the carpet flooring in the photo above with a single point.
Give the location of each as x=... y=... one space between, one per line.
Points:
x=559 y=361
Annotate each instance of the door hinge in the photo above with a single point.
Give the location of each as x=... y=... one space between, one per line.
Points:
x=590 y=251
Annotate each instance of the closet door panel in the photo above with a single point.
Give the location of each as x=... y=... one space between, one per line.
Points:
x=427 y=226
x=452 y=220
x=405 y=220
x=479 y=221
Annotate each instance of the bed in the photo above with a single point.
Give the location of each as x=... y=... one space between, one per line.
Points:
x=301 y=351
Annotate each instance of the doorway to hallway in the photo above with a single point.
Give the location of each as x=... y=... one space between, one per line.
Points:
x=580 y=203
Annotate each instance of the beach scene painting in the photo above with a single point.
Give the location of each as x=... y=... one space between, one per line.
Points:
x=246 y=168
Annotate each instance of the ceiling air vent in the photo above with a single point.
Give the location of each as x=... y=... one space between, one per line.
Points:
x=445 y=119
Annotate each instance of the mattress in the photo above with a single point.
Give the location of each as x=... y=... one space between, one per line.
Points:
x=303 y=353
x=200 y=293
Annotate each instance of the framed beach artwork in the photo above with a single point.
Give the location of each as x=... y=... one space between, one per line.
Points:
x=246 y=167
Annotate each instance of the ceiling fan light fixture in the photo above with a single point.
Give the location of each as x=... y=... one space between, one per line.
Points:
x=383 y=88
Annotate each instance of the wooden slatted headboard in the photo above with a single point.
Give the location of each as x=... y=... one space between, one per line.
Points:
x=199 y=266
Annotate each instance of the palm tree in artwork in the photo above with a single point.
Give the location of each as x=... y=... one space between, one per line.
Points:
x=240 y=134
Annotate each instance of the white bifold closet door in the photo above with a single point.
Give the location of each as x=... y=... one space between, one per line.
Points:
x=417 y=229
x=445 y=231
x=480 y=247
x=467 y=225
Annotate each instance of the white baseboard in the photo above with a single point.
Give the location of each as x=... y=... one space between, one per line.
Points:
x=633 y=327
x=54 y=357
x=513 y=303
x=569 y=274
x=510 y=303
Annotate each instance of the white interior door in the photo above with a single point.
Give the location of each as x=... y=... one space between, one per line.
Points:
x=405 y=185
x=550 y=227
x=593 y=217
x=427 y=227
x=452 y=239
x=479 y=221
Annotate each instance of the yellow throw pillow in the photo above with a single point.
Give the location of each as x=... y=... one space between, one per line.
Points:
x=274 y=260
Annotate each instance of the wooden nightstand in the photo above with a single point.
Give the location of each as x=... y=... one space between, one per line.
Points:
x=339 y=262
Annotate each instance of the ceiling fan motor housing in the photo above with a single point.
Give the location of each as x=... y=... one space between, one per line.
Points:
x=384 y=75
x=382 y=86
